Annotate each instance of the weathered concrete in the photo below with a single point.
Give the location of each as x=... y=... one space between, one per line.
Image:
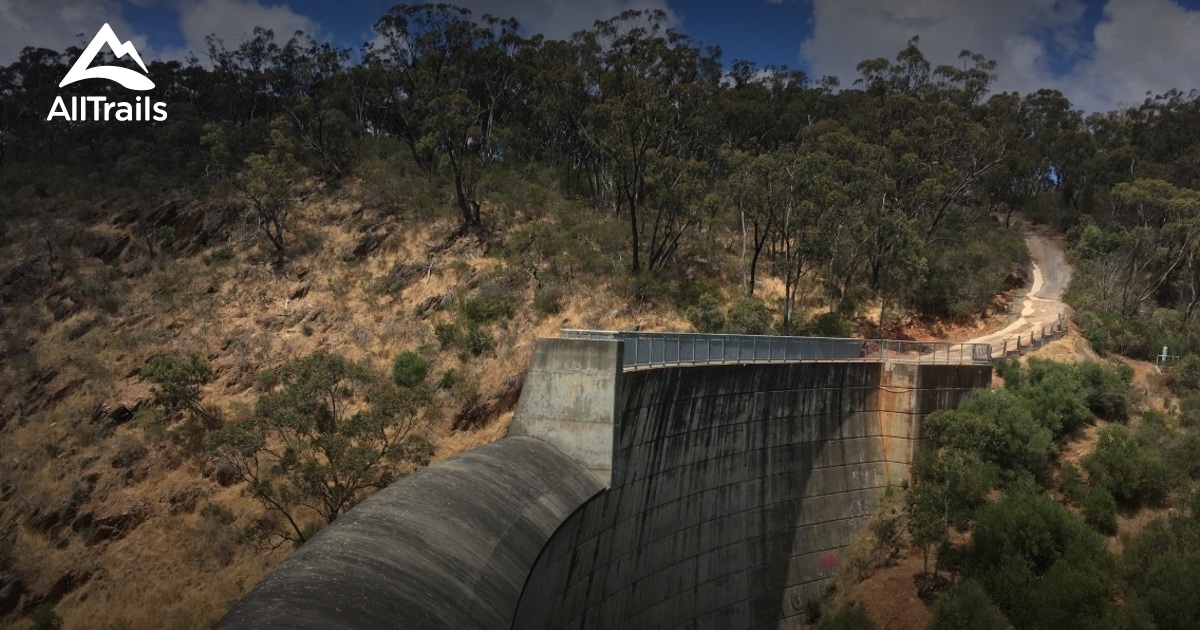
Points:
x=570 y=399
x=734 y=491
x=448 y=547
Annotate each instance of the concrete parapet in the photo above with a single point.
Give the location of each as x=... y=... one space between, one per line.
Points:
x=570 y=399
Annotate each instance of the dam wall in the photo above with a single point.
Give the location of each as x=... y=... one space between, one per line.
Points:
x=447 y=547
x=735 y=489
x=631 y=493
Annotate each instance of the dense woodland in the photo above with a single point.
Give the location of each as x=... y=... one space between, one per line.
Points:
x=633 y=156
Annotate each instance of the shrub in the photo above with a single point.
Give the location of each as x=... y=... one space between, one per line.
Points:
x=347 y=432
x=1070 y=483
x=1187 y=375
x=1109 y=394
x=1011 y=437
x=1033 y=556
x=1129 y=469
x=846 y=618
x=265 y=380
x=1171 y=588
x=967 y=605
x=548 y=300
x=1100 y=511
x=481 y=310
x=478 y=340
x=409 y=369
x=831 y=325
x=177 y=381
x=44 y=618
x=448 y=379
x=447 y=334
x=748 y=316
x=706 y=315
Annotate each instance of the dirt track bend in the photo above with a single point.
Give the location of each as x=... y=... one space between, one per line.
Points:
x=1042 y=304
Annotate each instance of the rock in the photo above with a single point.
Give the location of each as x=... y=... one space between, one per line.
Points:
x=80 y=328
x=224 y=473
x=434 y=303
x=299 y=290
x=11 y=589
x=118 y=526
x=367 y=244
x=184 y=501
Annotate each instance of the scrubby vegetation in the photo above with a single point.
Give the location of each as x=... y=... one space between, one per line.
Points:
x=1015 y=536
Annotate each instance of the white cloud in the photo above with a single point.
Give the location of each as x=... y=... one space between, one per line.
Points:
x=1139 y=45
x=233 y=21
x=846 y=32
x=57 y=24
x=558 y=19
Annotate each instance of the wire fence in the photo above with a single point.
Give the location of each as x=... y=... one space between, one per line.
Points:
x=653 y=349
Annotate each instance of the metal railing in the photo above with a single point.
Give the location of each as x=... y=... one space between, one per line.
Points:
x=1025 y=342
x=642 y=349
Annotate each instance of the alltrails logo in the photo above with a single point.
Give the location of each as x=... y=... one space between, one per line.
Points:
x=142 y=109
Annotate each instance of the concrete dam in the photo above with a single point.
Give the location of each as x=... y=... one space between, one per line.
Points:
x=647 y=481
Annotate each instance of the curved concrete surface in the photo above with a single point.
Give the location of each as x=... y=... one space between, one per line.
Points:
x=734 y=491
x=448 y=547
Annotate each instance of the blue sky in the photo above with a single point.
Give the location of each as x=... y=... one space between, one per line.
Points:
x=1101 y=53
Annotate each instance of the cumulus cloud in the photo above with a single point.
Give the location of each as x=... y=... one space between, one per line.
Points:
x=847 y=31
x=57 y=24
x=1138 y=45
x=558 y=19
x=233 y=21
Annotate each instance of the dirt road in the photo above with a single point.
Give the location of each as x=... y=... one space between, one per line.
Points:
x=1042 y=304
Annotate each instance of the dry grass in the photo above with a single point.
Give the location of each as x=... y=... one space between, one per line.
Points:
x=174 y=567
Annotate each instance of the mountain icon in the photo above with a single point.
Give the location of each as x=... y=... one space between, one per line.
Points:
x=126 y=77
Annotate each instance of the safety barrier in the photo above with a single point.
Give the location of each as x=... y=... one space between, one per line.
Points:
x=645 y=349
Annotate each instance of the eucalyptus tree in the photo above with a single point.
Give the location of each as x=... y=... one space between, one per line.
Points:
x=448 y=77
x=650 y=87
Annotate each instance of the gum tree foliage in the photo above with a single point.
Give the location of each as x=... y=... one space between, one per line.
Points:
x=317 y=444
x=448 y=83
x=177 y=381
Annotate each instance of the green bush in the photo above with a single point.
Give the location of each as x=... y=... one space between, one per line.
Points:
x=44 y=618
x=448 y=379
x=1132 y=471
x=748 y=316
x=1100 y=511
x=831 y=325
x=447 y=335
x=706 y=315
x=481 y=310
x=967 y=605
x=1187 y=375
x=265 y=380
x=1037 y=562
x=1171 y=589
x=1002 y=429
x=1071 y=484
x=177 y=381
x=1109 y=393
x=846 y=618
x=409 y=369
x=478 y=340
